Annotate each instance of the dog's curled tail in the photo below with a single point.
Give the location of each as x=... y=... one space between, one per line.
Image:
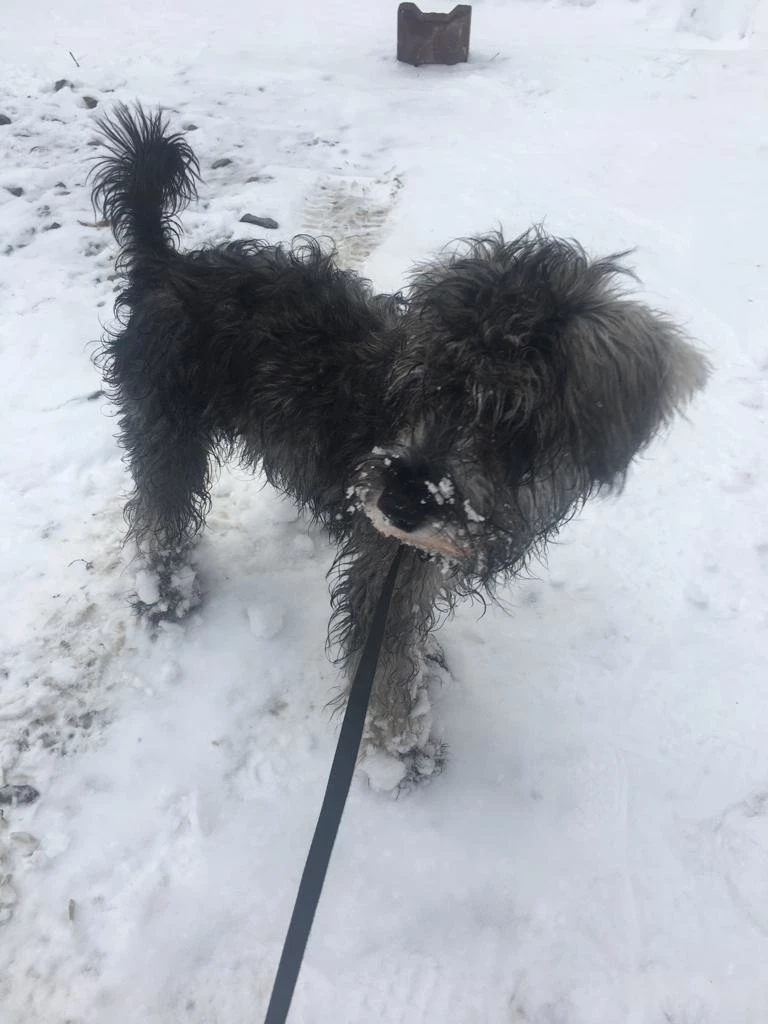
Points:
x=147 y=177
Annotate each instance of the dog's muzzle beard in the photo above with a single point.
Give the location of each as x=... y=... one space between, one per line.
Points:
x=414 y=503
x=456 y=517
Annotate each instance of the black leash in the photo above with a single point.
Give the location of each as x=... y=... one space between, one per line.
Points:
x=335 y=798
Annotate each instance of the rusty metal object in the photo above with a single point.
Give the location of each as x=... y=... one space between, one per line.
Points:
x=433 y=38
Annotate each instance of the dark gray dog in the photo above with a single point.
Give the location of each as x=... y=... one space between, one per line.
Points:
x=468 y=418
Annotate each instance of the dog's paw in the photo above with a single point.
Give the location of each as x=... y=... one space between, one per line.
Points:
x=399 y=773
x=165 y=596
x=422 y=765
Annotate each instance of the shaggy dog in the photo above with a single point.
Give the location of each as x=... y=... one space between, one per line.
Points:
x=468 y=418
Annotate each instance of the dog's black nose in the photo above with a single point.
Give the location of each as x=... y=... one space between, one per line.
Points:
x=406 y=500
x=404 y=514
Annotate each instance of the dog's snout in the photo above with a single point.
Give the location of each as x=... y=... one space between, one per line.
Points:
x=405 y=499
x=404 y=513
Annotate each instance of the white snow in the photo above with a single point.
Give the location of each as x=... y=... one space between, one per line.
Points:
x=442 y=491
x=472 y=515
x=382 y=771
x=147 y=586
x=597 y=850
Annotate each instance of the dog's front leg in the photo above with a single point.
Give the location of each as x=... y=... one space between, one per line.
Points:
x=398 y=750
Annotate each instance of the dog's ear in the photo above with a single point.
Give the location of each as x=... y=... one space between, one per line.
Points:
x=629 y=371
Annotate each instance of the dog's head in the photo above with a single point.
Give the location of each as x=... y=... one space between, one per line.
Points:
x=528 y=381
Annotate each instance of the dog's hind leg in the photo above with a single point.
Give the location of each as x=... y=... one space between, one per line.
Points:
x=398 y=749
x=168 y=457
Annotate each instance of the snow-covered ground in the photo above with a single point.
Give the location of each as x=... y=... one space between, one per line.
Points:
x=597 y=851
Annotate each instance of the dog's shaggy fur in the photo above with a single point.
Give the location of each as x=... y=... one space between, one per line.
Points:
x=467 y=418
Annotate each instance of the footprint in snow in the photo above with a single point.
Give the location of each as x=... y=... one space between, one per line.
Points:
x=741 y=850
x=353 y=212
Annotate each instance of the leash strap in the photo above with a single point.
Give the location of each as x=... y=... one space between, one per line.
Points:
x=335 y=798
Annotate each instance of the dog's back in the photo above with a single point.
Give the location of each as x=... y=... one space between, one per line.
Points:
x=246 y=348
